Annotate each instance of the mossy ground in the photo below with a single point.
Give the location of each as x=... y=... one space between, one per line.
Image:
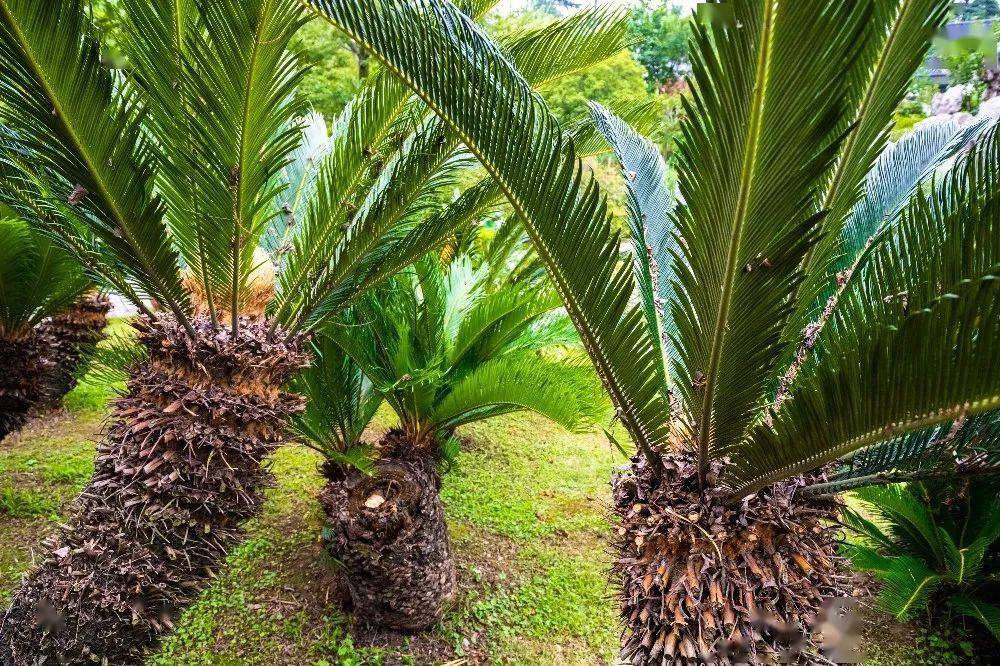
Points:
x=527 y=512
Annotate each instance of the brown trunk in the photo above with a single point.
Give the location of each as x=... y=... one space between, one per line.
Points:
x=389 y=533
x=67 y=337
x=20 y=381
x=178 y=473
x=703 y=580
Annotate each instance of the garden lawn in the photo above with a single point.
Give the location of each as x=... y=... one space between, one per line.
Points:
x=527 y=511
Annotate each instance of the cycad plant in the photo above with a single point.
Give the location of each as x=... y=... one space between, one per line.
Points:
x=444 y=348
x=789 y=110
x=168 y=180
x=37 y=281
x=928 y=542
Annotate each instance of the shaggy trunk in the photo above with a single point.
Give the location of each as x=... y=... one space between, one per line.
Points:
x=179 y=471
x=703 y=580
x=389 y=533
x=20 y=380
x=67 y=337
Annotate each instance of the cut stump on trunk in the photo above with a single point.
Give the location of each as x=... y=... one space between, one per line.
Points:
x=181 y=468
x=20 y=381
x=388 y=531
x=66 y=337
x=705 y=581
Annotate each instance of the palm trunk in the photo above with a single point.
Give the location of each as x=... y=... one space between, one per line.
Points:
x=179 y=472
x=67 y=337
x=20 y=380
x=703 y=580
x=389 y=533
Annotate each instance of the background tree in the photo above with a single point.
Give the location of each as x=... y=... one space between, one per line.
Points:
x=975 y=10
x=554 y=7
x=662 y=34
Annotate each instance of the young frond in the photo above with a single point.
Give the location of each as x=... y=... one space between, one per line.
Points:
x=650 y=205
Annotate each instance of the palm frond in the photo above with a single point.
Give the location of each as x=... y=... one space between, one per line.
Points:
x=82 y=137
x=776 y=72
x=899 y=32
x=913 y=340
x=340 y=403
x=968 y=447
x=37 y=279
x=978 y=609
x=450 y=64
x=563 y=392
x=650 y=206
x=242 y=78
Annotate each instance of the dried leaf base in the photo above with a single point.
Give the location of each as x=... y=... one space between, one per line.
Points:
x=388 y=531
x=20 y=382
x=179 y=471
x=703 y=581
x=66 y=338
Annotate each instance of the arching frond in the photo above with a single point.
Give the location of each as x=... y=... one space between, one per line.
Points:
x=563 y=392
x=82 y=135
x=450 y=64
x=913 y=341
x=764 y=121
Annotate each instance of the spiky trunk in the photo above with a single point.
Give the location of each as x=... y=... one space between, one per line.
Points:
x=20 y=380
x=389 y=533
x=67 y=337
x=705 y=580
x=179 y=472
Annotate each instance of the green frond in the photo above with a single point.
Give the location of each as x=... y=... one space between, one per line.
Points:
x=340 y=403
x=650 y=206
x=898 y=35
x=969 y=447
x=112 y=362
x=505 y=124
x=978 y=609
x=907 y=587
x=570 y=44
x=907 y=522
x=913 y=340
x=37 y=279
x=764 y=121
x=563 y=392
x=81 y=134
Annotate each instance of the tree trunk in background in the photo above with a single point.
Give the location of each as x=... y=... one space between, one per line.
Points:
x=178 y=473
x=389 y=533
x=66 y=337
x=705 y=580
x=20 y=380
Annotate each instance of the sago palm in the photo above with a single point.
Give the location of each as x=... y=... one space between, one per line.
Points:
x=168 y=180
x=37 y=281
x=789 y=110
x=444 y=348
